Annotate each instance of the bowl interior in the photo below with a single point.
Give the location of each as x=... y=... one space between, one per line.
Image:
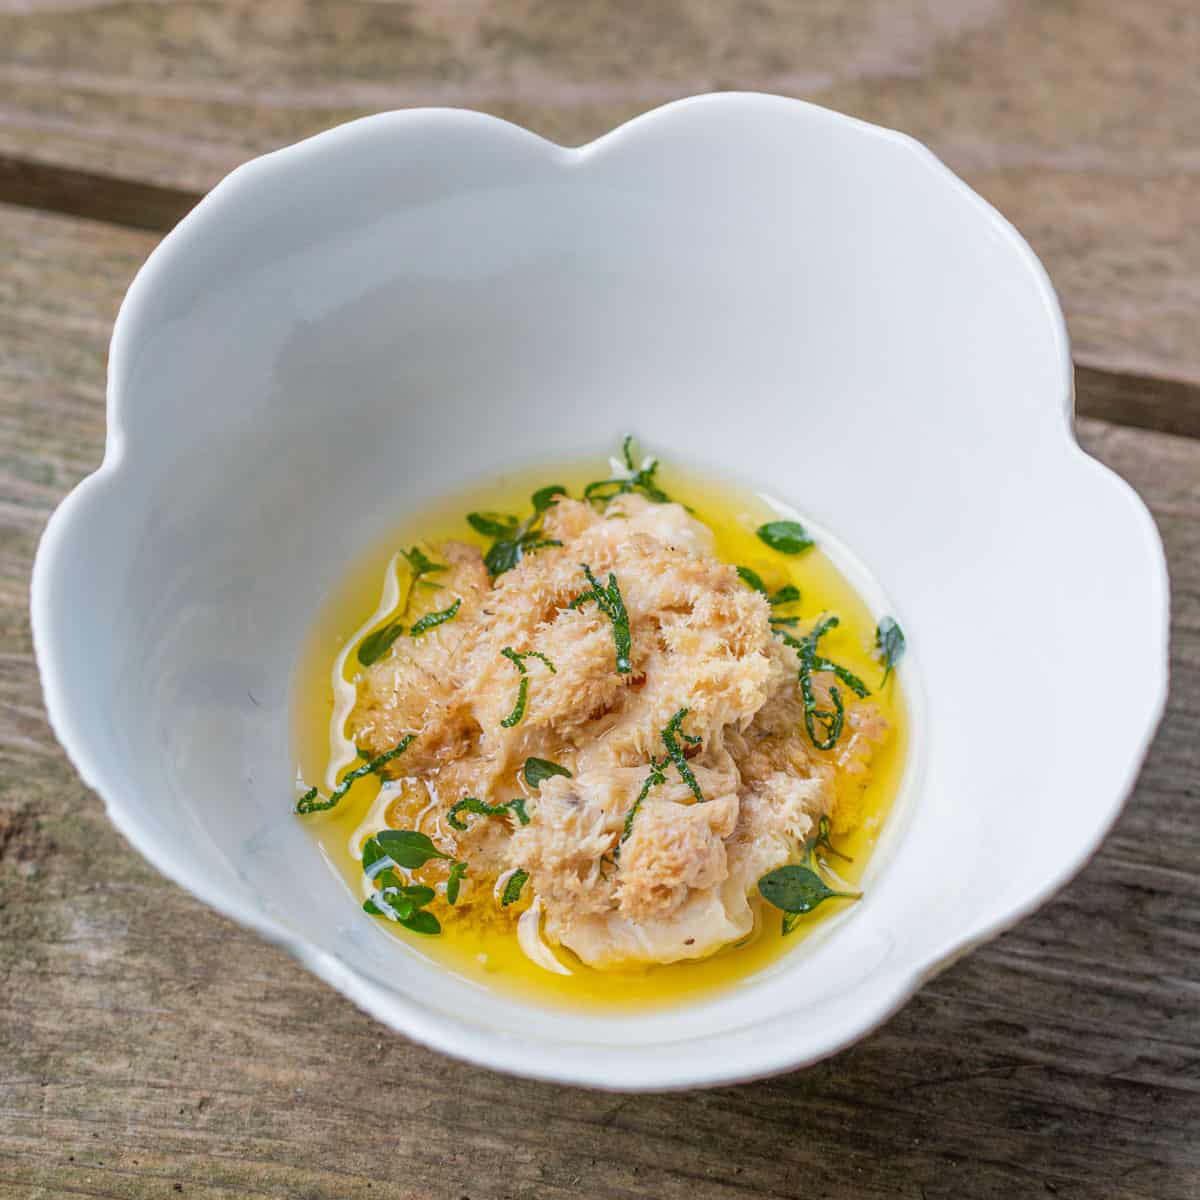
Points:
x=809 y=304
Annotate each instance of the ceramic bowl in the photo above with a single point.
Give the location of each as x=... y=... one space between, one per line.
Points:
x=345 y=328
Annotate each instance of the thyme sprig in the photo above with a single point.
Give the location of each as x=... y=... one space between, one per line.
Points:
x=639 y=479
x=312 y=801
x=518 y=661
x=469 y=804
x=377 y=643
x=812 y=663
x=402 y=902
x=393 y=898
x=798 y=888
x=611 y=603
x=513 y=538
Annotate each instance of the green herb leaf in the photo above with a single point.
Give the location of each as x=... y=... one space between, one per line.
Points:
x=471 y=805
x=538 y=770
x=611 y=603
x=376 y=645
x=797 y=889
x=752 y=578
x=788 y=594
x=889 y=645
x=454 y=881
x=422 y=922
x=310 y=802
x=788 y=537
x=434 y=619
x=493 y=524
x=670 y=735
x=407 y=848
x=503 y=556
x=418 y=893
x=543 y=498
x=512 y=889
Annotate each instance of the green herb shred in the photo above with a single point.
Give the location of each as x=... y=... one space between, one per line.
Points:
x=657 y=775
x=512 y=889
x=312 y=802
x=670 y=736
x=518 y=661
x=434 y=619
x=469 y=804
x=611 y=603
x=812 y=663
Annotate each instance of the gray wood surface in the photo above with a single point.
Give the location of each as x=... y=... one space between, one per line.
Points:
x=1077 y=118
x=148 y=1048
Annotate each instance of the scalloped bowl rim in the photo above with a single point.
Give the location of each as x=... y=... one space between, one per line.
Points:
x=451 y=1035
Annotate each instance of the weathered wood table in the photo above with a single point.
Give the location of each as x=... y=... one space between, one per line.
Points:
x=149 y=1048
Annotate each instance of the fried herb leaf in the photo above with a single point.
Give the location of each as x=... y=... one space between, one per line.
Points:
x=890 y=645
x=434 y=619
x=538 y=770
x=512 y=889
x=788 y=537
x=798 y=889
x=311 y=801
x=469 y=804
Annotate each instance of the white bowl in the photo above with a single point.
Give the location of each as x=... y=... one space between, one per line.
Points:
x=751 y=283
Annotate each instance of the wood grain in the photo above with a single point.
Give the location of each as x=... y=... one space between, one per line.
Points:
x=148 y=1048
x=1076 y=118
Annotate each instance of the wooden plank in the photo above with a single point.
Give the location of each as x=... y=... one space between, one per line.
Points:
x=149 y=1047
x=1076 y=119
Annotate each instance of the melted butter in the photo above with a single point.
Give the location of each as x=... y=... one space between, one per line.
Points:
x=481 y=945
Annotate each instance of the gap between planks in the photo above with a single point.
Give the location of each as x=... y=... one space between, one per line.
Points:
x=1121 y=398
